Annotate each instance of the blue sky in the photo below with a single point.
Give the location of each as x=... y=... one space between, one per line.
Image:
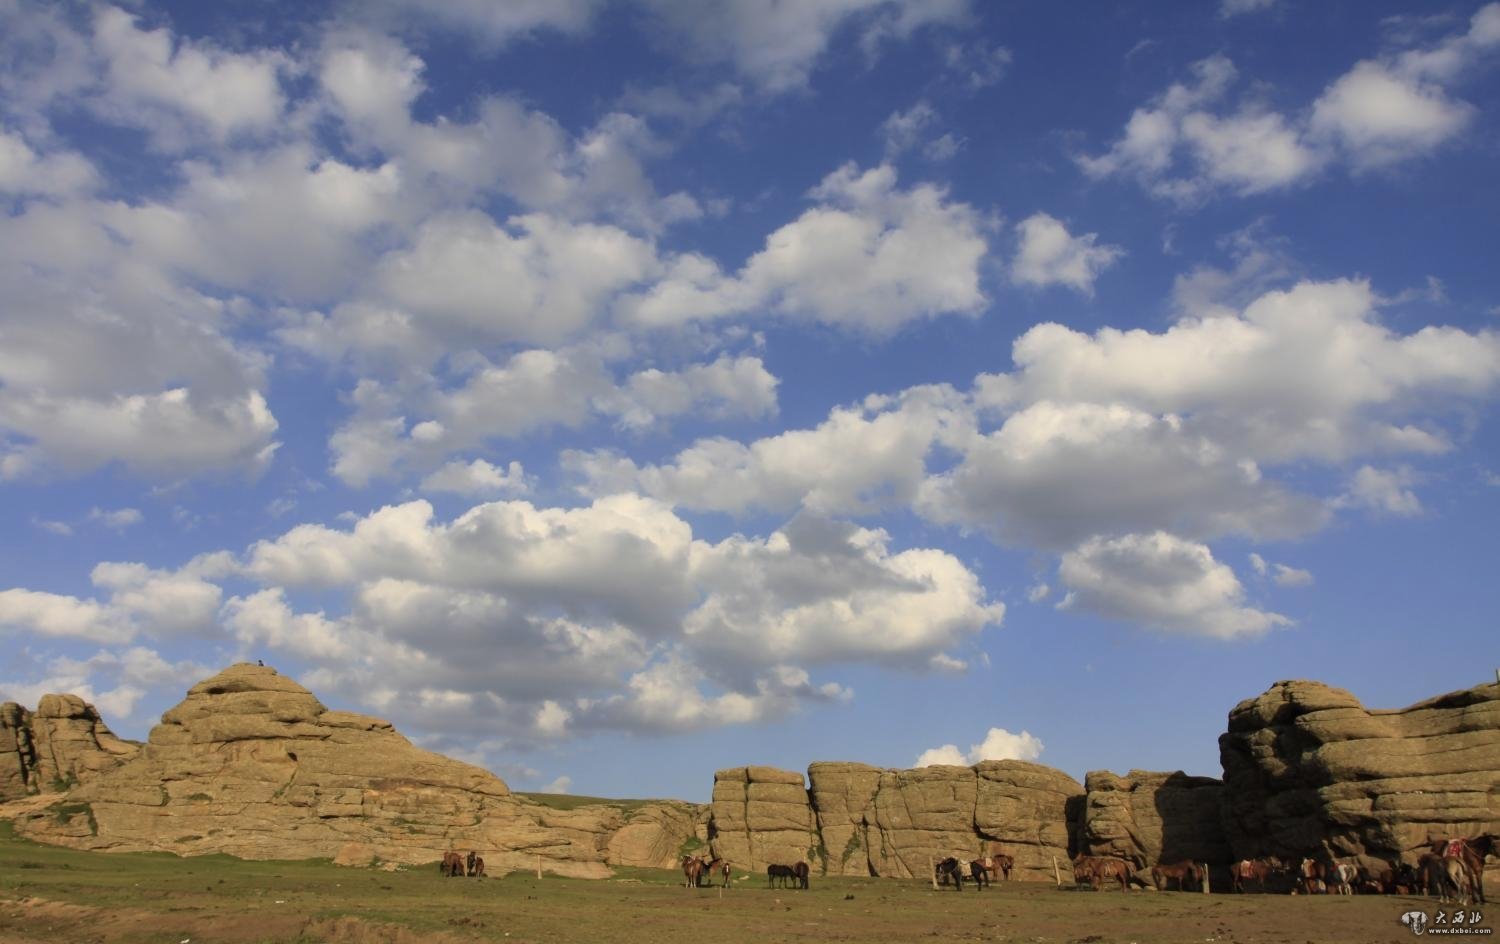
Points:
x=608 y=392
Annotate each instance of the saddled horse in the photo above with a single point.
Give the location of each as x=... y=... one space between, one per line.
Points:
x=786 y=874
x=1257 y=870
x=1446 y=877
x=1310 y=877
x=692 y=870
x=1096 y=870
x=1163 y=874
x=452 y=864
x=997 y=862
x=1471 y=852
x=949 y=869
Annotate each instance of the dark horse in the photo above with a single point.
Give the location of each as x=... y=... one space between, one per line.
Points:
x=949 y=868
x=1471 y=852
x=801 y=872
x=980 y=873
x=786 y=874
x=1163 y=874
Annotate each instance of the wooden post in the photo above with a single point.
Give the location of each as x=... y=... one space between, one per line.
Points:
x=932 y=872
x=1205 y=878
x=538 y=866
x=1055 y=873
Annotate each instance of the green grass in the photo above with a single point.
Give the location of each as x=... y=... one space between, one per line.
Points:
x=567 y=801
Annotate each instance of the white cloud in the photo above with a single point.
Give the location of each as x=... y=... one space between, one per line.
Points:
x=998 y=744
x=1038 y=593
x=560 y=784
x=1292 y=576
x=493 y=23
x=1229 y=8
x=870 y=258
x=478 y=478
x=24 y=171
x=1381 y=117
x=1049 y=255
x=1382 y=490
x=903 y=130
x=158 y=81
x=1162 y=581
x=55 y=615
x=119 y=519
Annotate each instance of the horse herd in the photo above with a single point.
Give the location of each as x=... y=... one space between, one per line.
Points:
x=699 y=872
x=981 y=871
x=1451 y=869
x=454 y=865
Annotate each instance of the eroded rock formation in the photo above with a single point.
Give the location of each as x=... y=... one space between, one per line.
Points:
x=60 y=745
x=1149 y=817
x=761 y=815
x=253 y=765
x=1307 y=767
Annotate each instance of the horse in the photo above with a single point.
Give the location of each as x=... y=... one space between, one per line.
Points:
x=1311 y=875
x=1162 y=875
x=1258 y=869
x=800 y=871
x=785 y=873
x=476 y=868
x=1096 y=870
x=692 y=870
x=469 y=862
x=1344 y=875
x=1471 y=852
x=1447 y=878
x=980 y=873
x=719 y=865
x=949 y=868
x=998 y=862
x=452 y=864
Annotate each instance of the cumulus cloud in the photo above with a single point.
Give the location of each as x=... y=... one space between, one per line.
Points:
x=1386 y=491
x=1049 y=255
x=477 y=478
x=1186 y=144
x=1164 y=582
x=870 y=258
x=998 y=744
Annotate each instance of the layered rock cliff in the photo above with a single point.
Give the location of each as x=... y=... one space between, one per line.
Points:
x=1148 y=817
x=253 y=765
x=60 y=745
x=1307 y=767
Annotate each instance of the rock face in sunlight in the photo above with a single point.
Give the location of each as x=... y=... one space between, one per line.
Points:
x=61 y=744
x=253 y=765
x=861 y=820
x=1150 y=817
x=761 y=816
x=1307 y=767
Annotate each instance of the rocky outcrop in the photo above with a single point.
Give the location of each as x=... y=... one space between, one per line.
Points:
x=253 y=765
x=855 y=819
x=1307 y=768
x=762 y=816
x=653 y=836
x=61 y=744
x=1148 y=817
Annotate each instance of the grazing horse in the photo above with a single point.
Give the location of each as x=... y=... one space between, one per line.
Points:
x=980 y=872
x=476 y=868
x=785 y=873
x=452 y=864
x=1471 y=852
x=718 y=865
x=1096 y=870
x=1163 y=874
x=692 y=870
x=949 y=868
x=801 y=872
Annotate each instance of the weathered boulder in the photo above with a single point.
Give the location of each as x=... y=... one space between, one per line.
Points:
x=1308 y=769
x=762 y=816
x=61 y=744
x=1149 y=817
x=894 y=822
x=253 y=765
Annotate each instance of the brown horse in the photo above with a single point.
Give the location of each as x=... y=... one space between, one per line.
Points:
x=476 y=868
x=1163 y=874
x=1097 y=870
x=1446 y=877
x=716 y=865
x=452 y=864
x=801 y=872
x=1471 y=852
x=1243 y=871
x=692 y=870
x=1310 y=877
x=998 y=862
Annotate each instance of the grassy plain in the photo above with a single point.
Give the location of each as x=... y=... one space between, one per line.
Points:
x=49 y=894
